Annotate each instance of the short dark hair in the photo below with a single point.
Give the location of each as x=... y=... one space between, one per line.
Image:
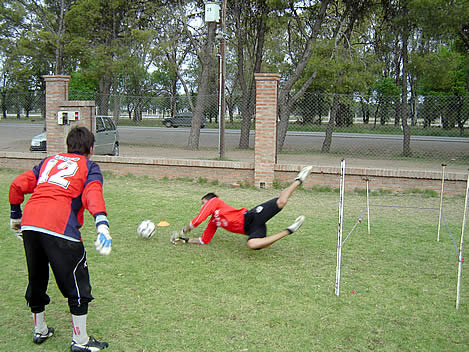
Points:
x=80 y=140
x=209 y=196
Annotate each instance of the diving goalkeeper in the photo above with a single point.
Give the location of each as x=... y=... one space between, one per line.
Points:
x=243 y=221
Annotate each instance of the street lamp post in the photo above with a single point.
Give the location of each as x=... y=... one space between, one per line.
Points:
x=222 y=71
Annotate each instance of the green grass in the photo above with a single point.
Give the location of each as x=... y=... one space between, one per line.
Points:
x=153 y=296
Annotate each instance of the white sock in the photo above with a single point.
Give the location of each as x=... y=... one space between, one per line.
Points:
x=80 y=335
x=40 y=326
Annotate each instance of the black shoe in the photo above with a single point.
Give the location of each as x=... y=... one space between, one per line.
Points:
x=91 y=346
x=39 y=338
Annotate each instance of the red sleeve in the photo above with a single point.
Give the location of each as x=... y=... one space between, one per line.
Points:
x=207 y=210
x=23 y=184
x=209 y=232
x=93 y=199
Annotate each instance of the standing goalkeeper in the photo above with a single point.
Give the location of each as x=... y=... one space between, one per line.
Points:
x=62 y=186
x=248 y=222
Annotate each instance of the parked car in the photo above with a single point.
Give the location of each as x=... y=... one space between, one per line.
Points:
x=106 y=143
x=181 y=119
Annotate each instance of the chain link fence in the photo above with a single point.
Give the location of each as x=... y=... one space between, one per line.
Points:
x=347 y=125
x=372 y=126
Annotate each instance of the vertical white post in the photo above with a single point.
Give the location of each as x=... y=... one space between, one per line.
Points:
x=340 y=227
x=461 y=257
x=441 y=199
x=368 y=204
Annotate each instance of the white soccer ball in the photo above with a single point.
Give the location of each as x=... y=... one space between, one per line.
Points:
x=146 y=229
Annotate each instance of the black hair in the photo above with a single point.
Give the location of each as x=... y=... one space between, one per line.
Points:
x=209 y=196
x=80 y=140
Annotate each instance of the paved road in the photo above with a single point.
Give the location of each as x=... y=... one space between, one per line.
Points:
x=16 y=137
x=209 y=137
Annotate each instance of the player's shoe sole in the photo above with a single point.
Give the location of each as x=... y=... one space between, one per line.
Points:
x=39 y=338
x=304 y=173
x=92 y=345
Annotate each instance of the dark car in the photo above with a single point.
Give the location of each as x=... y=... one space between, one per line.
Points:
x=181 y=119
x=106 y=138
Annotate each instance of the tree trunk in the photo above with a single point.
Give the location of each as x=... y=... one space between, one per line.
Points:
x=246 y=79
x=116 y=110
x=284 y=98
x=104 y=92
x=59 y=44
x=397 y=65
x=206 y=60
x=282 y=129
x=406 y=151
x=326 y=145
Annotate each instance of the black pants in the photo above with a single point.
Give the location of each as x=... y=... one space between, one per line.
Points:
x=255 y=218
x=68 y=262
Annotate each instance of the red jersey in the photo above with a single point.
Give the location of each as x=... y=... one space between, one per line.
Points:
x=62 y=186
x=223 y=215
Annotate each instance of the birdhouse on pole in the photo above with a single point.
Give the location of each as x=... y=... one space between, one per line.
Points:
x=212 y=11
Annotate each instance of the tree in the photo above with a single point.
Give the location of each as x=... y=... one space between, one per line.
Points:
x=250 y=25
x=304 y=29
x=202 y=39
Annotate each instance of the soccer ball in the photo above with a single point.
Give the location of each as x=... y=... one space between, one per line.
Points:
x=146 y=229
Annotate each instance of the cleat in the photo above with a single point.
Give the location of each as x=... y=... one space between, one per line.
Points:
x=304 y=173
x=296 y=225
x=92 y=345
x=39 y=338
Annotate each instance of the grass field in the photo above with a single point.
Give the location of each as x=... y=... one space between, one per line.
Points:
x=153 y=296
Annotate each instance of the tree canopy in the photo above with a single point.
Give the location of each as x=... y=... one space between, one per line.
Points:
x=154 y=48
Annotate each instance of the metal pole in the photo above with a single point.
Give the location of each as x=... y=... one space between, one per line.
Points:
x=441 y=199
x=340 y=228
x=368 y=204
x=221 y=117
x=461 y=257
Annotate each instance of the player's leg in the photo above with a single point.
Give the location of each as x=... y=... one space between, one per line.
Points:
x=264 y=242
x=38 y=279
x=68 y=262
x=287 y=192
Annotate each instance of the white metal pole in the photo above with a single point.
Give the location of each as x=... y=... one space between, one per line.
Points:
x=220 y=111
x=441 y=199
x=461 y=257
x=368 y=204
x=340 y=227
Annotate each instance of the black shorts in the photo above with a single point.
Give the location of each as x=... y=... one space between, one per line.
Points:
x=255 y=218
x=68 y=262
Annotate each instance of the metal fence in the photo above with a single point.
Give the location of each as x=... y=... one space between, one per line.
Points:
x=358 y=126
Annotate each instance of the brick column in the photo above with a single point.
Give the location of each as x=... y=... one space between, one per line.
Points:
x=56 y=95
x=57 y=100
x=266 y=129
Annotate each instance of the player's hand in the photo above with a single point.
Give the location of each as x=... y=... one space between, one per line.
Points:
x=15 y=226
x=103 y=242
x=176 y=238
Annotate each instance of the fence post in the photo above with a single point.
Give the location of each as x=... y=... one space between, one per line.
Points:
x=265 y=148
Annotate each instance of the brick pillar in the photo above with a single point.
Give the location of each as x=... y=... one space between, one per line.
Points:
x=56 y=95
x=266 y=129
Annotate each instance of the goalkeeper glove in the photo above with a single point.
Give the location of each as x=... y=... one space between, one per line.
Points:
x=15 y=226
x=176 y=237
x=103 y=242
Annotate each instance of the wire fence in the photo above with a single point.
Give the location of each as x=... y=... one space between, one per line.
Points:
x=358 y=125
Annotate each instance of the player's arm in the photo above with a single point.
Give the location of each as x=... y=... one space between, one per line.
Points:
x=23 y=184
x=207 y=209
x=93 y=200
x=180 y=237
